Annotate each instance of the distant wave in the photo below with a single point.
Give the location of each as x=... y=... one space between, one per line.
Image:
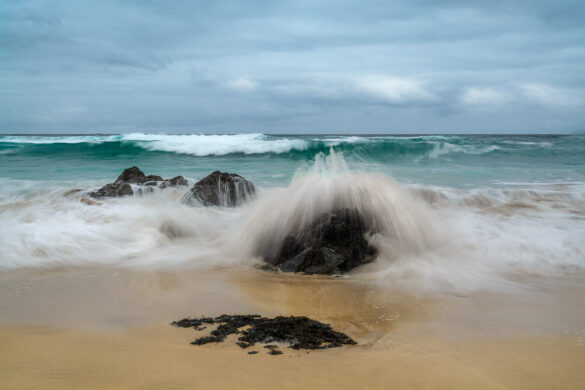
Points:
x=383 y=148
x=217 y=145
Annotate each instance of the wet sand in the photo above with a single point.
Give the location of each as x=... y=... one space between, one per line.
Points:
x=102 y=328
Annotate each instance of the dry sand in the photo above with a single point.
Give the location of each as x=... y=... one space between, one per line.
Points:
x=108 y=328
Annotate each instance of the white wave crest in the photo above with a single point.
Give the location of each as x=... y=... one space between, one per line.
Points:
x=73 y=139
x=193 y=144
x=217 y=145
x=442 y=148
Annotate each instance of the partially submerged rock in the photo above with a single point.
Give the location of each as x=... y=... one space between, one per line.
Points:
x=122 y=185
x=113 y=190
x=134 y=175
x=174 y=182
x=298 y=332
x=334 y=243
x=221 y=189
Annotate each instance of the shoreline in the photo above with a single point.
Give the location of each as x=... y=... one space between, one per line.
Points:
x=106 y=327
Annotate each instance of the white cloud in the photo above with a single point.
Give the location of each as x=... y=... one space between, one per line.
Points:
x=394 y=90
x=484 y=97
x=551 y=96
x=242 y=84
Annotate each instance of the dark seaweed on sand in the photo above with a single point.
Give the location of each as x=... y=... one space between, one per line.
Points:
x=298 y=332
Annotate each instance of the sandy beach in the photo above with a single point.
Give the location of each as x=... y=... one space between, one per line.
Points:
x=108 y=328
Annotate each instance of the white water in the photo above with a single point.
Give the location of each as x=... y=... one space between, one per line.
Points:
x=428 y=238
x=192 y=144
x=217 y=145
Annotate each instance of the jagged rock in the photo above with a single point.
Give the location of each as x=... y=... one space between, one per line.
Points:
x=298 y=332
x=113 y=190
x=174 y=182
x=221 y=189
x=334 y=243
x=122 y=185
x=134 y=175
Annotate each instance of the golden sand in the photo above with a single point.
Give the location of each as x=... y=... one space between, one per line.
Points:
x=108 y=329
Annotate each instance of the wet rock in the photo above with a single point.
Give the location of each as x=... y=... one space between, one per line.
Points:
x=298 y=332
x=334 y=243
x=113 y=190
x=133 y=175
x=221 y=189
x=174 y=182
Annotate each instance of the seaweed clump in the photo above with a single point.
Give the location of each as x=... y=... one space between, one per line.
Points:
x=298 y=332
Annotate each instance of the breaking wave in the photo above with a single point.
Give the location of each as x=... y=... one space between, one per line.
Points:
x=379 y=148
x=428 y=238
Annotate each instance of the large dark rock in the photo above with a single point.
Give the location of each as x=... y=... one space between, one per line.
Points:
x=221 y=189
x=333 y=243
x=122 y=185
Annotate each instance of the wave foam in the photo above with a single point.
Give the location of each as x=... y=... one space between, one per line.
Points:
x=216 y=145
x=428 y=238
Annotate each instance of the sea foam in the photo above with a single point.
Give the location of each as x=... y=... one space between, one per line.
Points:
x=428 y=237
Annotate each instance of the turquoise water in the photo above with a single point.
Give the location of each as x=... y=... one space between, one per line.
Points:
x=456 y=213
x=457 y=161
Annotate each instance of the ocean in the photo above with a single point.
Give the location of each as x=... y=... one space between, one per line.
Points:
x=456 y=212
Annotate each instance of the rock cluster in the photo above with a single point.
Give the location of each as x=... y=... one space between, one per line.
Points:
x=217 y=189
x=335 y=242
x=122 y=185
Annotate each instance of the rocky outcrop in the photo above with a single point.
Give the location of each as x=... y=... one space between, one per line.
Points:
x=334 y=243
x=220 y=189
x=122 y=185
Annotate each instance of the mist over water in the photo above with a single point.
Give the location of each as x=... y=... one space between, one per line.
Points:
x=452 y=213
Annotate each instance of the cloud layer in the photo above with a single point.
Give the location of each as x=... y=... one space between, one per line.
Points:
x=307 y=66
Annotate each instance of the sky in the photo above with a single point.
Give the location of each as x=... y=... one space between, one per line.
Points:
x=416 y=66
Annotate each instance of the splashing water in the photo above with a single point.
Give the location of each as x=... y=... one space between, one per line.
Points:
x=428 y=236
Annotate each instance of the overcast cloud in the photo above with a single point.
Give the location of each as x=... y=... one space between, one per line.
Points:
x=305 y=67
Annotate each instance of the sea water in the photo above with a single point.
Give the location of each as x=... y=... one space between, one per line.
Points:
x=455 y=213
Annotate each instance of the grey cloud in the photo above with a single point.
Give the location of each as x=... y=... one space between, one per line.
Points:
x=228 y=66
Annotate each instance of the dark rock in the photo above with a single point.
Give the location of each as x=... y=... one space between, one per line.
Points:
x=112 y=190
x=174 y=182
x=252 y=352
x=134 y=175
x=221 y=189
x=297 y=332
x=208 y=339
x=275 y=352
x=334 y=243
x=193 y=323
